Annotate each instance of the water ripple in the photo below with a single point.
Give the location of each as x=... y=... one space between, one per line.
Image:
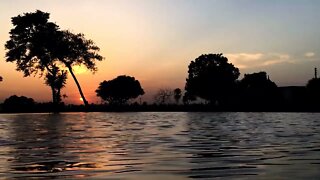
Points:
x=160 y=145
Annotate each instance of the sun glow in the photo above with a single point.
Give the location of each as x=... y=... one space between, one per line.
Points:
x=80 y=99
x=79 y=69
x=76 y=69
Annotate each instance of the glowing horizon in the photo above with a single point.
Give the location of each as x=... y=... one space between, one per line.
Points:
x=154 y=41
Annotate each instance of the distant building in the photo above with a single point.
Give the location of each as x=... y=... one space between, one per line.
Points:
x=294 y=95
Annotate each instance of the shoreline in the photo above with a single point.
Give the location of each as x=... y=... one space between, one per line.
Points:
x=163 y=109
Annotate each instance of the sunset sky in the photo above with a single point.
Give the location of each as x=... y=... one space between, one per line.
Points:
x=155 y=40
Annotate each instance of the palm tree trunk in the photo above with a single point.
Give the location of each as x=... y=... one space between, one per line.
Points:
x=52 y=87
x=58 y=96
x=53 y=95
x=78 y=85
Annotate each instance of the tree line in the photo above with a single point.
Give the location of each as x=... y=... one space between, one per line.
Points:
x=39 y=47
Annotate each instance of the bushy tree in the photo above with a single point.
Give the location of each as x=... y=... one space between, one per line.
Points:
x=211 y=77
x=18 y=103
x=119 y=90
x=32 y=43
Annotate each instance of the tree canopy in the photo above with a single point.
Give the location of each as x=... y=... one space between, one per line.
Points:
x=119 y=90
x=211 y=77
x=32 y=43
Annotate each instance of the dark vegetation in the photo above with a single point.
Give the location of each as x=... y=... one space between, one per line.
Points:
x=254 y=92
x=38 y=46
x=119 y=90
x=212 y=78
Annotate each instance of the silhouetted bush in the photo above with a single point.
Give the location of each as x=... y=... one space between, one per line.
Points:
x=18 y=104
x=119 y=90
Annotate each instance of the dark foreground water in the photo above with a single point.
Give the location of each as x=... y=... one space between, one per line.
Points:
x=160 y=146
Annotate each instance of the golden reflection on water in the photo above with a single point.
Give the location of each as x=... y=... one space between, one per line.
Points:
x=159 y=145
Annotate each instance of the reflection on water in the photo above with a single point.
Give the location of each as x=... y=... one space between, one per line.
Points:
x=160 y=145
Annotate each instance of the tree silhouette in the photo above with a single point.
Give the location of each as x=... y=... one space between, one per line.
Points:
x=75 y=49
x=119 y=90
x=32 y=43
x=1 y=78
x=211 y=77
x=16 y=103
x=177 y=94
x=56 y=80
x=163 y=96
x=37 y=46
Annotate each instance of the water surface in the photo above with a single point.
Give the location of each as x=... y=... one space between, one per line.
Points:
x=160 y=145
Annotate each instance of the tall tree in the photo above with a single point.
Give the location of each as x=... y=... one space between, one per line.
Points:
x=211 y=77
x=32 y=43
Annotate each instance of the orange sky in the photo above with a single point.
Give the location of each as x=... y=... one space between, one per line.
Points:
x=154 y=41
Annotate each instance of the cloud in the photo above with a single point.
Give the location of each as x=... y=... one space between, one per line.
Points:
x=309 y=54
x=250 y=60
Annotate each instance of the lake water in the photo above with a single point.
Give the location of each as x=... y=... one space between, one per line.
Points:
x=160 y=145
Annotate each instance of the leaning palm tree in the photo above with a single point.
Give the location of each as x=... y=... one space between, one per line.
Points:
x=74 y=50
